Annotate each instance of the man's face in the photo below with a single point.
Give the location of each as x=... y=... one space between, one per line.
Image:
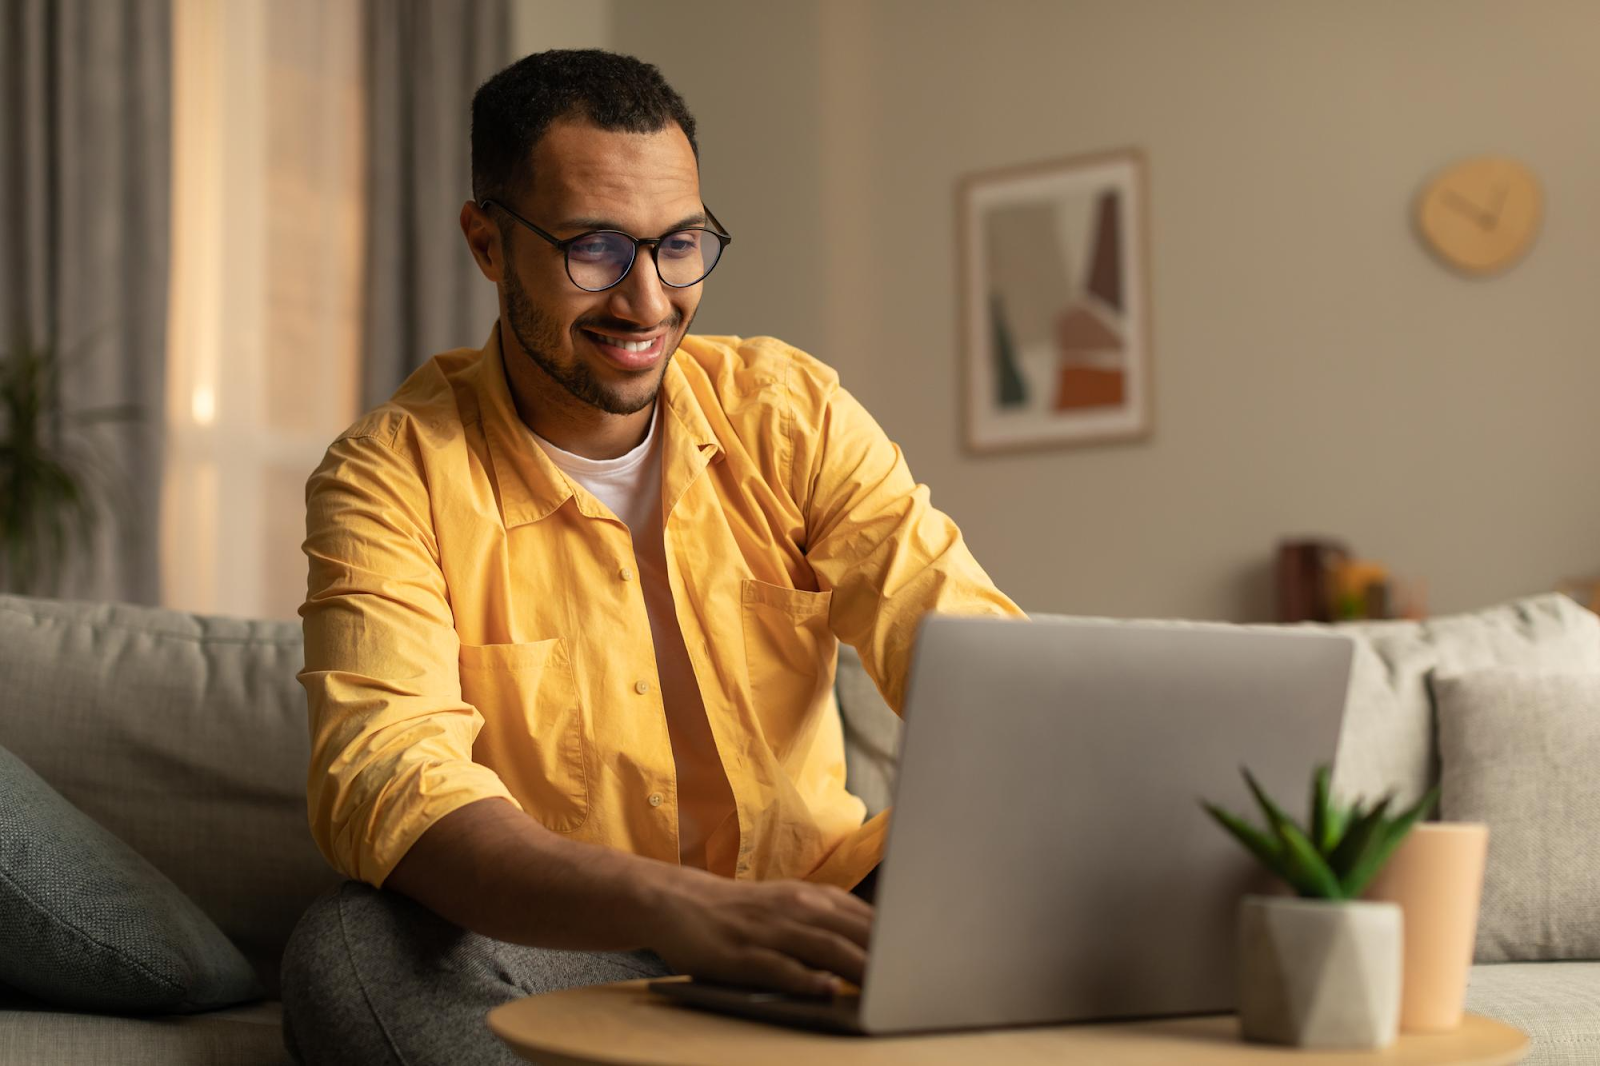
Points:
x=589 y=343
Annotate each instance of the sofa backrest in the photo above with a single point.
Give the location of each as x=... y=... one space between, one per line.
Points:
x=1387 y=743
x=185 y=736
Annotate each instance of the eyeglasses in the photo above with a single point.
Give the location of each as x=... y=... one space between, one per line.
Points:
x=601 y=258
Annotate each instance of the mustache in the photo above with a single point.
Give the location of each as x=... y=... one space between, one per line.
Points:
x=617 y=325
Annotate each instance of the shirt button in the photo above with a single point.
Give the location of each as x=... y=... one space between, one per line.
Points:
x=641 y=687
x=626 y=573
x=655 y=799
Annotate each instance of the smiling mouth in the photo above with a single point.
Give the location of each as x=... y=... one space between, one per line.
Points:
x=625 y=345
x=628 y=353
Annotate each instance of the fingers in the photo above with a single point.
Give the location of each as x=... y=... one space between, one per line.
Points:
x=851 y=903
x=822 y=950
x=774 y=970
x=853 y=927
x=835 y=910
x=787 y=936
x=848 y=902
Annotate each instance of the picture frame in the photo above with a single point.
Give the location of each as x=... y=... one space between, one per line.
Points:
x=1055 y=303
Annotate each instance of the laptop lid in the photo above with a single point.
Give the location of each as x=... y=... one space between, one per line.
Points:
x=1048 y=858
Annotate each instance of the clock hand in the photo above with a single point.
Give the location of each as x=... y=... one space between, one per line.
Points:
x=1468 y=208
x=1499 y=203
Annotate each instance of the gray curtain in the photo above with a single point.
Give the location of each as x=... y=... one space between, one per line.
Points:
x=85 y=165
x=424 y=294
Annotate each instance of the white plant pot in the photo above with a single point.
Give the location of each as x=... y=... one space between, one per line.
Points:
x=1319 y=973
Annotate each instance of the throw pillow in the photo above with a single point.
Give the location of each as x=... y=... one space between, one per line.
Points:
x=86 y=923
x=1519 y=751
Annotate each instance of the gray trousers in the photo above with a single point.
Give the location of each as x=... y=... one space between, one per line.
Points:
x=373 y=977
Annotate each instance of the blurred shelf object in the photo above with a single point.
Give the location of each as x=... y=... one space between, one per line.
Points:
x=1320 y=581
x=1306 y=569
x=1586 y=590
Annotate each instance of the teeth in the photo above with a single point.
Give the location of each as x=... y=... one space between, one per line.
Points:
x=627 y=346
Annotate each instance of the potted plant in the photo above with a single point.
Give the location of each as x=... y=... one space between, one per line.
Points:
x=1321 y=968
x=49 y=469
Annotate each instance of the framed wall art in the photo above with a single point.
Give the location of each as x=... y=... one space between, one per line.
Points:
x=1055 y=304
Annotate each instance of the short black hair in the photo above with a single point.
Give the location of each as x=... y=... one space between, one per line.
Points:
x=512 y=110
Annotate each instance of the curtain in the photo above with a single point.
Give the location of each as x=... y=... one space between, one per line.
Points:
x=267 y=242
x=85 y=95
x=424 y=294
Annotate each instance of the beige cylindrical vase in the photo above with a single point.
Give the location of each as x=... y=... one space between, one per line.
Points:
x=1436 y=875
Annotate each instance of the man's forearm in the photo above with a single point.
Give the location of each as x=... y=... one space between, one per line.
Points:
x=494 y=870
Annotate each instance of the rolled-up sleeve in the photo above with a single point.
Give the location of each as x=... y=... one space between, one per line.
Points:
x=873 y=538
x=391 y=738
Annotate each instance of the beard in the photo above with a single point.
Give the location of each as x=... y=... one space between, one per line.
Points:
x=539 y=335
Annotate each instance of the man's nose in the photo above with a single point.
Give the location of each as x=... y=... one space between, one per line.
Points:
x=642 y=297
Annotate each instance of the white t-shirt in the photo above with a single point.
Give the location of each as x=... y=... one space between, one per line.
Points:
x=630 y=486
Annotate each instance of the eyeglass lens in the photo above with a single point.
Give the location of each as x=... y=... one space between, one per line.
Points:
x=599 y=260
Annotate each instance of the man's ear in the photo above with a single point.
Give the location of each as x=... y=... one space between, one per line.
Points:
x=483 y=238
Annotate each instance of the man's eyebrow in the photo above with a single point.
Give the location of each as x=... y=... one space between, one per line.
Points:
x=590 y=222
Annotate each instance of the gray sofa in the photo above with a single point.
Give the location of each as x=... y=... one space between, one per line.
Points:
x=186 y=737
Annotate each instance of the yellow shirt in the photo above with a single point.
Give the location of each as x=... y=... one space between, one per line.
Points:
x=475 y=627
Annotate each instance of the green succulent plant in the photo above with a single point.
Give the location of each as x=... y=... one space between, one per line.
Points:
x=1341 y=849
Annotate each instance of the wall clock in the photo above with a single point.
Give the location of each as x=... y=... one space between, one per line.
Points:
x=1481 y=215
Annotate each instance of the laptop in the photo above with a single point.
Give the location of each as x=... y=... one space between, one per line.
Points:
x=1048 y=859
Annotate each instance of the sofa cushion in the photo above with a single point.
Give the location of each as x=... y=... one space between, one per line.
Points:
x=183 y=735
x=1388 y=740
x=1519 y=751
x=1386 y=743
x=86 y=923
x=237 y=1036
x=1556 y=1003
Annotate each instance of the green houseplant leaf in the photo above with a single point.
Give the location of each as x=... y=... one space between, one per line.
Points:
x=1328 y=819
x=1377 y=853
x=1268 y=850
x=49 y=475
x=1275 y=816
x=1364 y=826
x=1337 y=852
x=1313 y=877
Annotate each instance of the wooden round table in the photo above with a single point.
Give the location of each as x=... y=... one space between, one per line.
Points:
x=624 y=1023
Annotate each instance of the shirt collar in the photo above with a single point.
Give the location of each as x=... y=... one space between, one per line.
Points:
x=530 y=486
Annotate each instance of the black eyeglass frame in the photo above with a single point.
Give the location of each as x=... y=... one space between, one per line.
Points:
x=720 y=233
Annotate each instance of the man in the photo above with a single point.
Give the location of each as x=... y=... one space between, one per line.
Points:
x=573 y=606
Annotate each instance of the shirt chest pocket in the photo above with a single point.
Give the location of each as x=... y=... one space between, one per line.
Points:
x=788 y=650
x=533 y=731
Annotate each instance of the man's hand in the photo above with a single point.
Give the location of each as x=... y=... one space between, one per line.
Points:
x=490 y=868
x=789 y=936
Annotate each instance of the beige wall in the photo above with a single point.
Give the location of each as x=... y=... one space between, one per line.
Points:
x=537 y=25
x=1315 y=371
